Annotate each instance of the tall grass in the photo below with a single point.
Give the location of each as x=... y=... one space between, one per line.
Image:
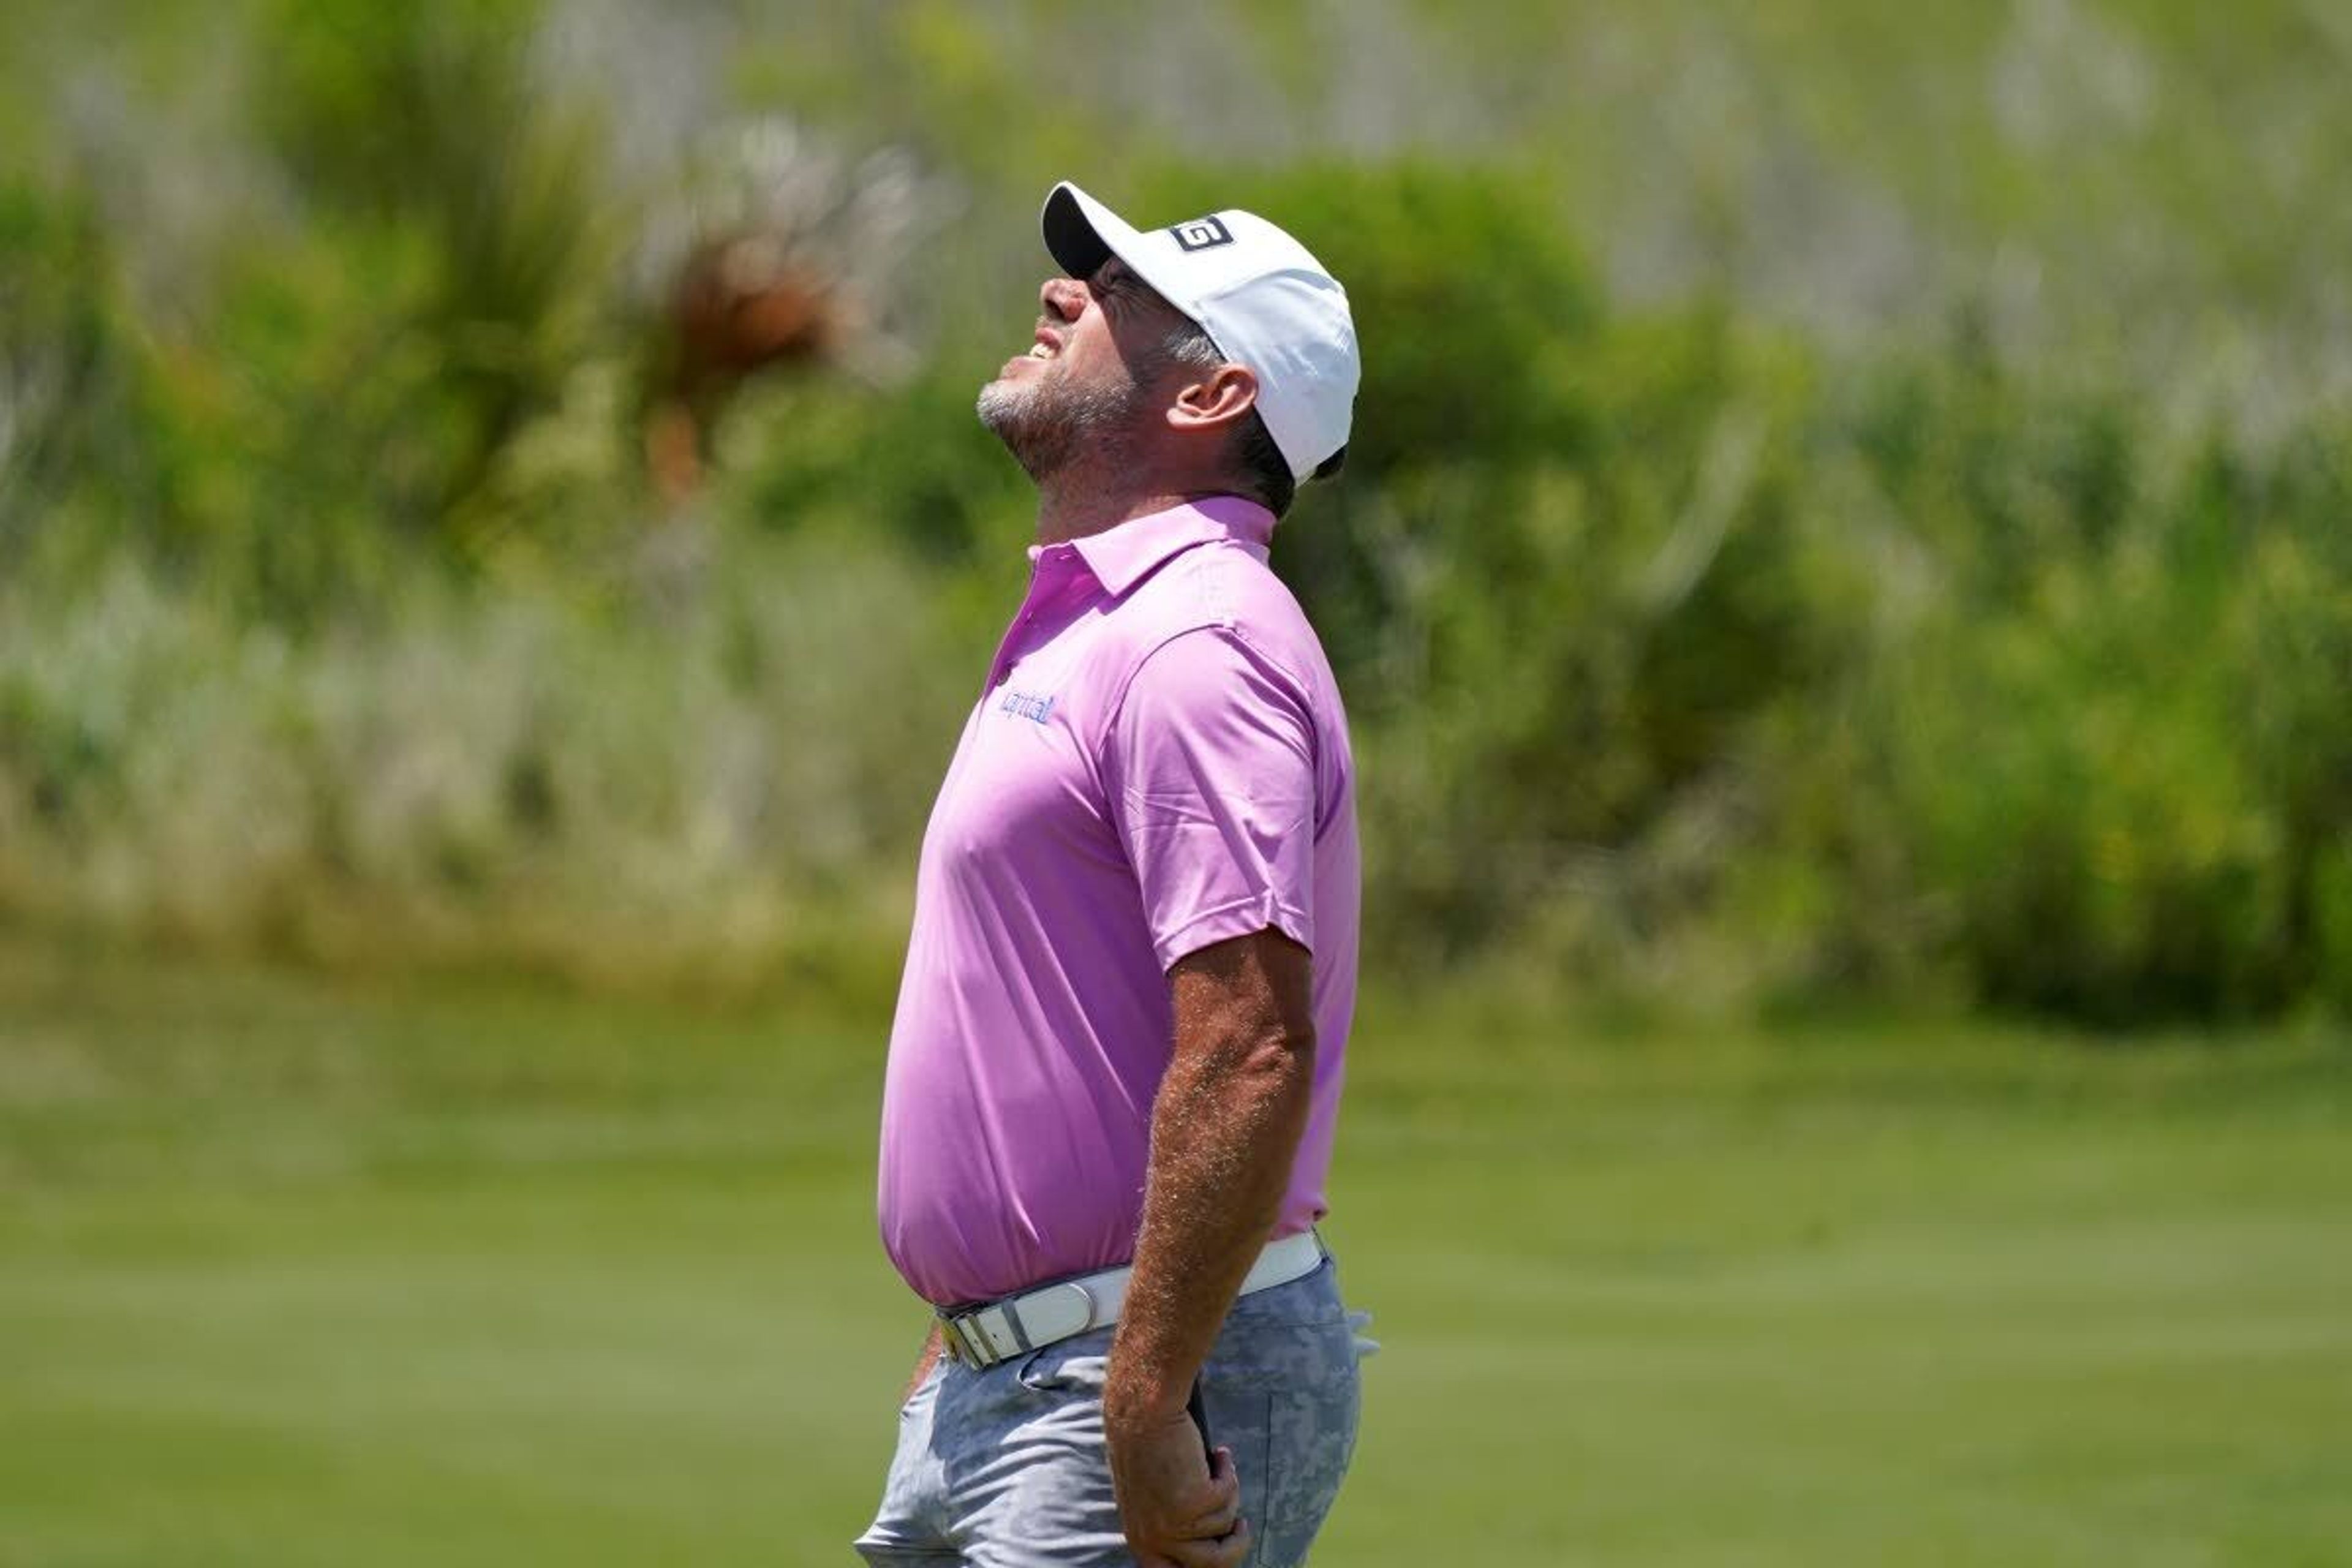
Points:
x=713 y=795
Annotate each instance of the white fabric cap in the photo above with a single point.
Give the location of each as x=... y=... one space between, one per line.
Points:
x=1260 y=296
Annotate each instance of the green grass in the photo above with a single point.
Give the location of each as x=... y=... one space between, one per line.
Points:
x=299 y=1273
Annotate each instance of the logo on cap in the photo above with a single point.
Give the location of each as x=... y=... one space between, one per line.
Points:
x=1201 y=233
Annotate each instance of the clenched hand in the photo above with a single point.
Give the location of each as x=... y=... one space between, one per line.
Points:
x=1178 y=1512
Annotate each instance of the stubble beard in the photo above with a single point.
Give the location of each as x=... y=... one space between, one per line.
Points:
x=1050 y=425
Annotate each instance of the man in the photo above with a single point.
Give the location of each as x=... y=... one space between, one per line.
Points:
x=1116 y=1065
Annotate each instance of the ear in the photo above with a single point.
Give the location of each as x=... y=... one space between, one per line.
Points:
x=1215 y=401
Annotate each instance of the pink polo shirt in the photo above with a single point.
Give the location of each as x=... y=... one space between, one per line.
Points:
x=1160 y=762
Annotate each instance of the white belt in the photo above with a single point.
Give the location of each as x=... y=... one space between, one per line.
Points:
x=998 y=1331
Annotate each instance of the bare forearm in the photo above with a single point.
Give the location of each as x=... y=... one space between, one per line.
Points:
x=1225 y=1129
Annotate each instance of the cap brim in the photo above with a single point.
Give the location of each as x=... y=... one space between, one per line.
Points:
x=1081 y=234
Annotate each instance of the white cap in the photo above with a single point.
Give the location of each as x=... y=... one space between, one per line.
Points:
x=1262 y=299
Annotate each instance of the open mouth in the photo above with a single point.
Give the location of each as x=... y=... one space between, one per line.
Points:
x=1046 y=347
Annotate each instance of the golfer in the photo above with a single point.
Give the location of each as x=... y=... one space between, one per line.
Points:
x=1116 y=1065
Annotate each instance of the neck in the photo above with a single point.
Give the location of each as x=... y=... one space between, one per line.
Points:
x=1073 y=512
x=1106 y=488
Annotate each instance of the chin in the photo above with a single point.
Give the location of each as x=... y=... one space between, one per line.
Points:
x=1001 y=405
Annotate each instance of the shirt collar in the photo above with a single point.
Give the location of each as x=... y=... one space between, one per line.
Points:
x=1123 y=556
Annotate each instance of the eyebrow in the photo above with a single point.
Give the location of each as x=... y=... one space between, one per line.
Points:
x=1114 y=280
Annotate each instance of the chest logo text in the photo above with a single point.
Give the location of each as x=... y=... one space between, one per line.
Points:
x=1029 y=705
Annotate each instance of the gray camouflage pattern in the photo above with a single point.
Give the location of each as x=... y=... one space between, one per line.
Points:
x=1005 y=1468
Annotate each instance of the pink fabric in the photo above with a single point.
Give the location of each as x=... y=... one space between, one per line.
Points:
x=1158 y=763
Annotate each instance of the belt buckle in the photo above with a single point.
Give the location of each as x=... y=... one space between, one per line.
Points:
x=961 y=1343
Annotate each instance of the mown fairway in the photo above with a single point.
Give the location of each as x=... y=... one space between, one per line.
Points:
x=300 y=1274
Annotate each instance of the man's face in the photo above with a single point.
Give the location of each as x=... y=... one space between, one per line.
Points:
x=1086 y=379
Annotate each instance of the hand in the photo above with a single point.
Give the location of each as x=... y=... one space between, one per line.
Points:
x=1178 y=1512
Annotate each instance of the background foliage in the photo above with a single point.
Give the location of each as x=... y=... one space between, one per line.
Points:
x=1847 y=503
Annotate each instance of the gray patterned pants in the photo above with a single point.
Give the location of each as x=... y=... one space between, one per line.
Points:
x=1006 y=1469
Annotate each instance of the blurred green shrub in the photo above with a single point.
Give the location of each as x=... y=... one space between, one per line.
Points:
x=369 y=351
x=68 y=375
x=2102 y=755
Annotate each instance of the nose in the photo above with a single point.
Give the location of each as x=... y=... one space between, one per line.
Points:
x=1065 y=299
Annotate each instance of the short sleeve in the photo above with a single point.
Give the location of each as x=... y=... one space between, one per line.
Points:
x=1209 y=763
